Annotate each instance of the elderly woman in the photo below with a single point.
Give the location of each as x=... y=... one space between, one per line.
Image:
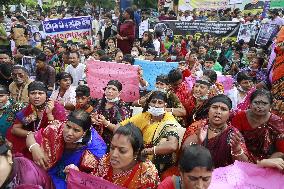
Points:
x=195 y=169
x=61 y=144
x=159 y=129
x=223 y=140
x=34 y=116
x=263 y=131
x=112 y=108
x=20 y=172
x=65 y=93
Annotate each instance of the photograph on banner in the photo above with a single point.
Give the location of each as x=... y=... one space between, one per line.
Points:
x=266 y=33
x=144 y=26
x=152 y=69
x=247 y=32
x=76 y=28
x=100 y=73
x=30 y=64
x=214 y=28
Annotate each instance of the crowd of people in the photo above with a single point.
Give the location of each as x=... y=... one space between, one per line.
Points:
x=50 y=124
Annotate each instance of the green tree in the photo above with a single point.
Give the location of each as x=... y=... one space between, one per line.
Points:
x=146 y=3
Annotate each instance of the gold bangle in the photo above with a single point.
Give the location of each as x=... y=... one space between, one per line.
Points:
x=30 y=148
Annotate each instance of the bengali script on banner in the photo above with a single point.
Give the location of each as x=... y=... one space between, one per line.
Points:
x=66 y=28
x=79 y=180
x=246 y=176
x=100 y=73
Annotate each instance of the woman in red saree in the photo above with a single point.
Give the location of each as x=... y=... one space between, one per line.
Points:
x=34 y=117
x=125 y=165
x=195 y=169
x=262 y=130
x=223 y=141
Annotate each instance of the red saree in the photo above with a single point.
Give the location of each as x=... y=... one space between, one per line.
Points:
x=143 y=175
x=218 y=146
x=19 y=143
x=262 y=141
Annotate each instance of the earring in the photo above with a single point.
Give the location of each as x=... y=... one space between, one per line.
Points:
x=135 y=158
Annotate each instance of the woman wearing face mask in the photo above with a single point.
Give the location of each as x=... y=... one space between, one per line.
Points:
x=159 y=129
x=198 y=98
x=263 y=131
x=195 y=170
x=135 y=52
x=19 y=172
x=65 y=93
x=62 y=145
x=173 y=103
x=33 y=117
x=225 y=142
x=125 y=165
x=112 y=108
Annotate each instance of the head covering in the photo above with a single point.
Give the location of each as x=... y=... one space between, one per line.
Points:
x=115 y=83
x=4 y=90
x=220 y=98
x=37 y=85
x=20 y=67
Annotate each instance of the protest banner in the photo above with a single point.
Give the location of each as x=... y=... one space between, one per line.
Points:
x=266 y=33
x=152 y=69
x=144 y=26
x=214 y=28
x=246 y=176
x=247 y=32
x=252 y=6
x=79 y=180
x=233 y=2
x=202 y=4
x=69 y=28
x=100 y=73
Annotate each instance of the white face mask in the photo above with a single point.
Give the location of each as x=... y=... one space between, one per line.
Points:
x=156 y=111
x=113 y=100
x=134 y=54
x=204 y=97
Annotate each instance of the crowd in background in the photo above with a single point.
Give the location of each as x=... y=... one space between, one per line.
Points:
x=50 y=125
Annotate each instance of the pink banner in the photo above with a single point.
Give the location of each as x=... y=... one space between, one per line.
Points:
x=246 y=176
x=79 y=180
x=99 y=73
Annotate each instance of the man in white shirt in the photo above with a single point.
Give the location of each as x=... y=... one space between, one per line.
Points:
x=186 y=16
x=75 y=68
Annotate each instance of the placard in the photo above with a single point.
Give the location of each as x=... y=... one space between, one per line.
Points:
x=100 y=73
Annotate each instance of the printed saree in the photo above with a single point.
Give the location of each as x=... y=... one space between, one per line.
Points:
x=143 y=175
x=264 y=140
x=85 y=157
x=22 y=117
